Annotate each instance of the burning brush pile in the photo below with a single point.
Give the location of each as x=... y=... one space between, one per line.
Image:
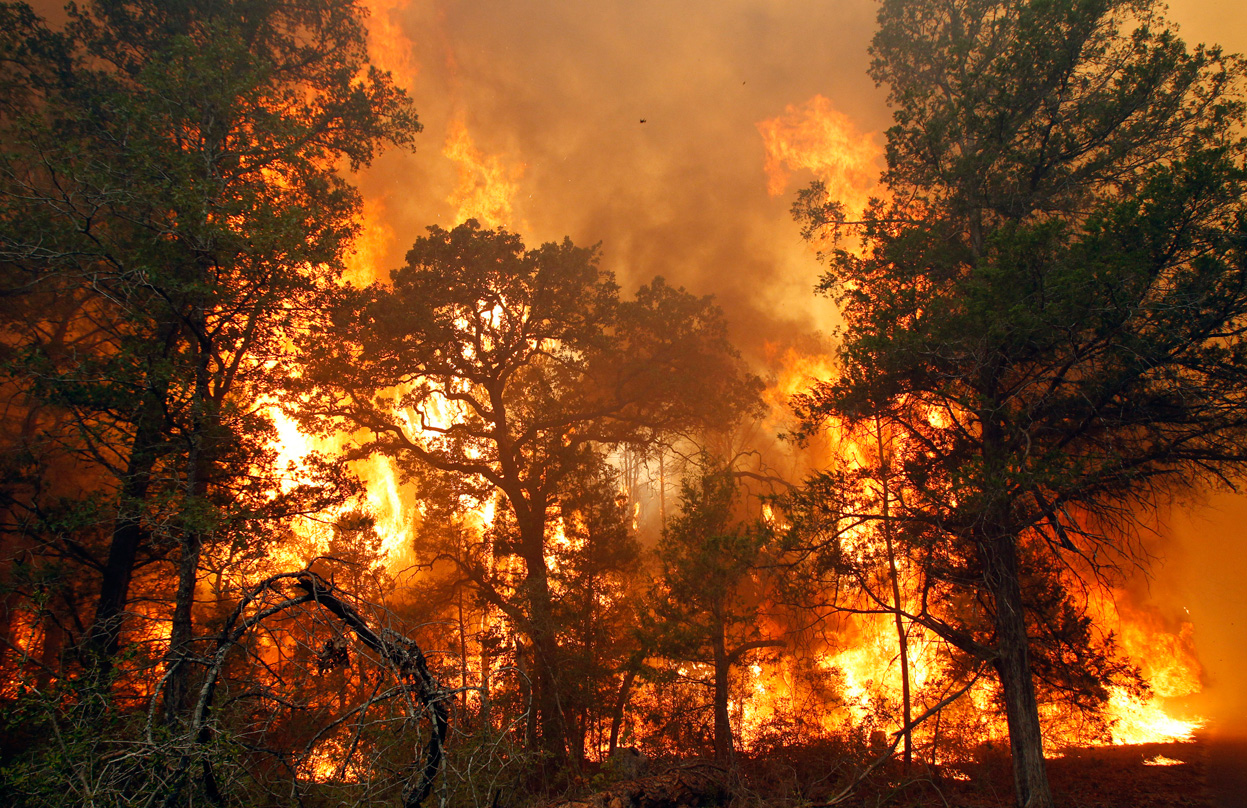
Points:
x=505 y=526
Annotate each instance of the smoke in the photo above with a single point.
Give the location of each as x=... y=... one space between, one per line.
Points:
x=1201 y=576
x=633 y=124
x=1200 y=572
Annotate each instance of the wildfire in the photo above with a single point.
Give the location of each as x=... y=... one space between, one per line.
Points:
x=391 y=49
x=1161 y=760
x=1169 y=665
x=373 y=244
x=816 y=137
x=487 y=186
x=864 y=668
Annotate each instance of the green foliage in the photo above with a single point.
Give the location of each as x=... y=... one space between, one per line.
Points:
x=709 y=558
x=711 y=589
x=171 y=209
x=1049 y=307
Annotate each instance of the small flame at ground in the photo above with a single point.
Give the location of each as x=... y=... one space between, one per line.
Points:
x=1161 y=760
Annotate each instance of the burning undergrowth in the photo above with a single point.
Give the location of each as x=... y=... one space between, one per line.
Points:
x=500 y=521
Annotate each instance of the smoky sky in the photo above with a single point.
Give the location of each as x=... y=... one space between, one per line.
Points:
x=634 y=124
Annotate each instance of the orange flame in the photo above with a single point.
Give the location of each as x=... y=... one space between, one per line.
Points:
x=389 y=47
x=816 y=137
x=372 y=246
x=487 y=187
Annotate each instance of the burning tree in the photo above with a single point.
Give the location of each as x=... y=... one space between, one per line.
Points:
x=171 y=207
x=709 y=596
x=501 y=374
x=1049 y=309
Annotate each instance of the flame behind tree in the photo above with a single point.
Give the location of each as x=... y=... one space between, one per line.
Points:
x=487 y=187
x=818 y=138
x=708 y=599
x=1060 y=277
x=171 y=181
x=501 y=371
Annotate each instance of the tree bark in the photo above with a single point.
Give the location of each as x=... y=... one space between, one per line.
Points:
x=723 y=743
x=205 y=426
x=129 y=534
x=1030 y=775
x=104 y=637
x=545 y=643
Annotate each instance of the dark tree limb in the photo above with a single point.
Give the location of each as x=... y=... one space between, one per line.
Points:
x=400 y=652
x=408 y=660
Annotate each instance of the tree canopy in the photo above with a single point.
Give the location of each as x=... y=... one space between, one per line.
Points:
x=172 y=207
x=1049 y=305
x=505 y=372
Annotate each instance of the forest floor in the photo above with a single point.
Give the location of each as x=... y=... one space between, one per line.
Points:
x=1210 y=772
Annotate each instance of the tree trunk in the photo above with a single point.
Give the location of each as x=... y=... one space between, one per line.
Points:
x=621 y=704
x=104 y=637
x=545 y=643
x=1030 y=775
x=181 y=634
x=723 y=746
x=205 y=427
x=902 y=641
x=129 y=534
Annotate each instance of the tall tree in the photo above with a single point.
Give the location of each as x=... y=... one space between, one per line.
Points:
x=709 y=593
x=503 y=372
x=1050 y=306
x=169 y=183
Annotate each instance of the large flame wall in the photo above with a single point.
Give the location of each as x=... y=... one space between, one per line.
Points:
x=676 y=135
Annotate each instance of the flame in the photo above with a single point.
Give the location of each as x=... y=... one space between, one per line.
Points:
x=394 y=516
x=796 y=373
x=1161 y=760
x=326 y=764
x=390 y=48
x=372 y=246
x=1168 y=663
x=816 y=137
x=487 y=187
x=1136 y=721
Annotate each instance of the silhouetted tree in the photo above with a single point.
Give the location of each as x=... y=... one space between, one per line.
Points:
x=503 y=372
x=1050 y=305
x=171 y=209
x=710 y=590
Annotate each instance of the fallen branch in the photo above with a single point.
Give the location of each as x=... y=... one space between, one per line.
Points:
x=401 y=653
x=409 y=662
